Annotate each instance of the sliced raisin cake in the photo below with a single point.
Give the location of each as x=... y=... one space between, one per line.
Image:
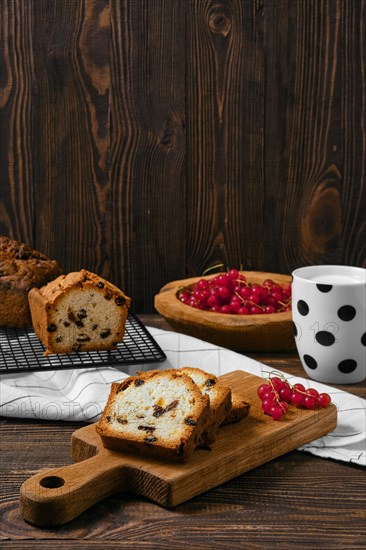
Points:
x=219 y=396
x=21 y=269
x=227 y=406
x=239 y=409
x=157 y=414
x=78 y=312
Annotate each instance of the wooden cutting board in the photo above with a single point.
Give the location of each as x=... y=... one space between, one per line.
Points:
x=56 y=496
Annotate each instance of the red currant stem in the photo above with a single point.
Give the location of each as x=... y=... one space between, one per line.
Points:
x=241 y=282
x=284 y=304
x=305 y=393
x=282 y=407
x=292 y=386
x=283 y=377
x=278 y=374
x=212 y=268
x=277 y=397
x=253 y=304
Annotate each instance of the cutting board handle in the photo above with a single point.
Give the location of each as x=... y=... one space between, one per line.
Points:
x=54 y=497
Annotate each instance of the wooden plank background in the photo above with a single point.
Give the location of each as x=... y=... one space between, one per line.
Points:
x=146 y=140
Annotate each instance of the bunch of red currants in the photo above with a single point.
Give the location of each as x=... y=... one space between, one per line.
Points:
x=278 y=394
x=231 y=293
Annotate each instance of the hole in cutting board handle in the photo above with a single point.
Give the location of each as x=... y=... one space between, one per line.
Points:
x=52 y=482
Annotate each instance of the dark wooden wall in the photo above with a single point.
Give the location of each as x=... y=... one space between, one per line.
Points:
x=147 y=139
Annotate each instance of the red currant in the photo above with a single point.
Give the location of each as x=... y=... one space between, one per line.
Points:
x=276 y=411
x=263 y=388
x=223 y=291
x=202 y=284
x=297 y=398
x=324 y=400
x=277 y=383
x=184 y=296
x=244 y=291
x=243 y=298
x=254 y=310
x=267 y=404
x=299 y=387
x=277 y=394
x=309 y=402
x=233 y=274
x=286 y=393
x=269 y=394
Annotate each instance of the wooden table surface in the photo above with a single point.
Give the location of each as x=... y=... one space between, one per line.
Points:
x=295 y=501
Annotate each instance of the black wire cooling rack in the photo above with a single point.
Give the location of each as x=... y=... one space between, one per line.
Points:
x=21 y=351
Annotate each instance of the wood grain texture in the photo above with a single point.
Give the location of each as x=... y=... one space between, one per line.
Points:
x=315 y=115
x=147 y=144
x=71 y=140
x=16 y=154
x=146 y=140
x=272 y=505
x=225 y=122
x=57 y=496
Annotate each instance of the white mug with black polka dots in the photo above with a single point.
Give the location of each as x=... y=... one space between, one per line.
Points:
x=328 y=312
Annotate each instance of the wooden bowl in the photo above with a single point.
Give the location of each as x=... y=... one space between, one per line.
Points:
x=262 y=332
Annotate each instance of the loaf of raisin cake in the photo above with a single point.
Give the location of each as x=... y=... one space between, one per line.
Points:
x=157 y=414
x=79 y=312
x=21 y=269
x=219 y=396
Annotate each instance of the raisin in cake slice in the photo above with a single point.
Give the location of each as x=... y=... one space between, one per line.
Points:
x=157 y=414
x=227 y=406
x=219 y=396
x=78 y=312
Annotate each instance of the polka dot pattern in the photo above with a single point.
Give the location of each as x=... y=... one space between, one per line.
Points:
x=347 y=313
x=347 y=366
x=310 y=361
x=302 y=307
x=324 y=288
x=345 y=319
x=325 y=338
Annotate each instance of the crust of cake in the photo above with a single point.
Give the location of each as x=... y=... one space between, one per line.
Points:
x=239 y=409
x=220 y=399
x=224 y=410
x=65 y=328
x=21 y=269
x=159 y=414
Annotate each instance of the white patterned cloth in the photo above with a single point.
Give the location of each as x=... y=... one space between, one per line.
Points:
x=79 y=395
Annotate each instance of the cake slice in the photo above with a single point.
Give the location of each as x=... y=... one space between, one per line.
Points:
x=239 y=409
x=157 y=414
x=219 y=396
x=78 y=312
x=226 y=405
